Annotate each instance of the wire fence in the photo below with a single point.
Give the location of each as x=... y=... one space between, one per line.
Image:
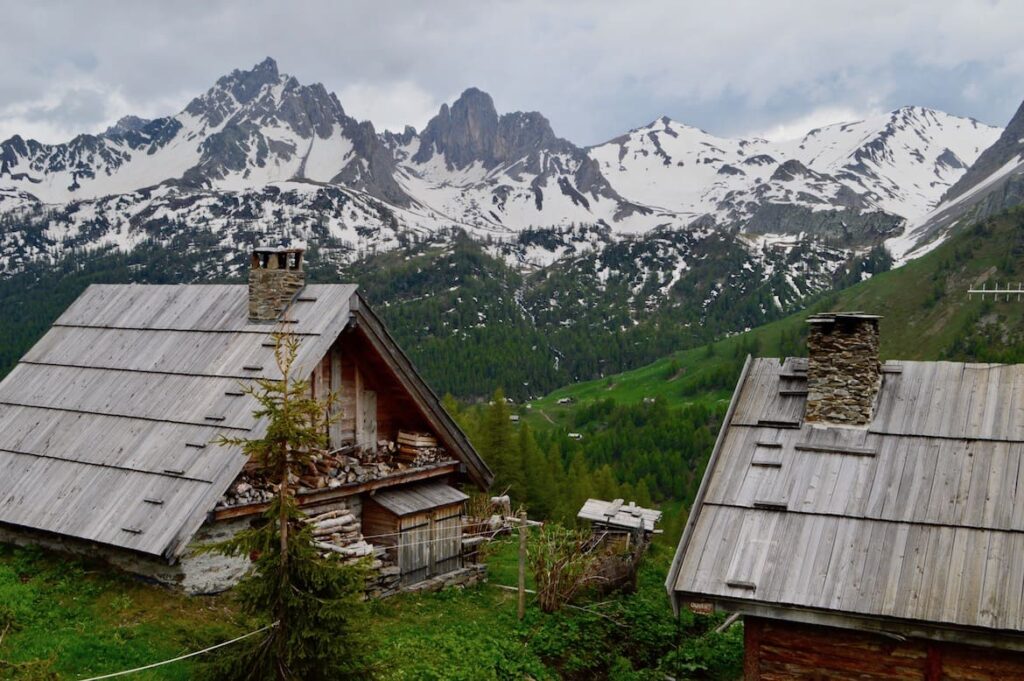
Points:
x=181 y=657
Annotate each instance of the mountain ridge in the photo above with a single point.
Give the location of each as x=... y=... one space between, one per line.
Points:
x=501 y=173
x=663 y=237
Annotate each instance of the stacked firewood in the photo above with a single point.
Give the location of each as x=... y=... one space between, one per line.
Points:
x=338 y=532
x=248 y=490
x=418 y=449
x=344 y=466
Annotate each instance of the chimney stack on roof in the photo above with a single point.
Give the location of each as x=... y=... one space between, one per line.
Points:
x=843 y=370
x=275 y=277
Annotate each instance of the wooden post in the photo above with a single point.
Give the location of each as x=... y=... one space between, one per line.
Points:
x=522 y=564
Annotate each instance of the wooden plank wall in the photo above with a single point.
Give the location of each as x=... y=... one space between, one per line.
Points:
x=346 y=398
x=447 y=535
x=379 y=524
x=415 y=547
x=776 y=650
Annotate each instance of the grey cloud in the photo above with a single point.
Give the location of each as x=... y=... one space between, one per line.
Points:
x=595 y=68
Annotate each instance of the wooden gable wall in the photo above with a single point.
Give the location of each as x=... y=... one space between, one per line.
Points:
x=371 y=402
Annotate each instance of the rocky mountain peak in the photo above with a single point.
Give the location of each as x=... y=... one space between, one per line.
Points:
x=127 y=124
x=1008 y=147
x=471 y=130
x=245 y=85
x=236 y=89
x=463 y=133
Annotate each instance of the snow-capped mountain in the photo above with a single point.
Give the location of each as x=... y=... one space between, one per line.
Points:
x=508 y=172
x=898 y=164
x=252 y=128
x=605 y=256
x=993 y=183
x=259 y=146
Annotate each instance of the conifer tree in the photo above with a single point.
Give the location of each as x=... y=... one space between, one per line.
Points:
x=498 y=446
x=314 y=602
x=540 y=489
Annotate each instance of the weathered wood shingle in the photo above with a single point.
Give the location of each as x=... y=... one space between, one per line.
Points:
x=918 y=517
x=107 y=425
x=110 y=410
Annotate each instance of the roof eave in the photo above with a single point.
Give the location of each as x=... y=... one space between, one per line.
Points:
x=691 y=521
x=876 y=624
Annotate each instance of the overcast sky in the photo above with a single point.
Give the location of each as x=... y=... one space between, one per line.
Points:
x=595 y=69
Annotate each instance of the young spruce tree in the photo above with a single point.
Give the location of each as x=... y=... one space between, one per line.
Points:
x=315 y=602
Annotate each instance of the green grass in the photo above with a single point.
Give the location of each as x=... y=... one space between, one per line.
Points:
x=71 y=619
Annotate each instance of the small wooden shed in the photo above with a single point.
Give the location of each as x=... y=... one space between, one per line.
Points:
x=618 y=516
x=422 y=527
x=624 y=532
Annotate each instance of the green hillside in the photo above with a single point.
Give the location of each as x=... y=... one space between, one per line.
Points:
x=927 y=314
x=62 y=620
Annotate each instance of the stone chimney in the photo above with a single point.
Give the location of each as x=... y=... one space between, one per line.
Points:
x=843 y=371
x=275 y=276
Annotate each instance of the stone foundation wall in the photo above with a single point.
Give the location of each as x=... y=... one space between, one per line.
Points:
x=209 y=573
x=463 y=577
x=271 y=291
x=194 y=574
x=843 y=370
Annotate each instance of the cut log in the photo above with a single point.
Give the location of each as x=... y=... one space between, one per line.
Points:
x=334 y=523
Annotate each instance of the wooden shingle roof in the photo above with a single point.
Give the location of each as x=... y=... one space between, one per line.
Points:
x=618 y=514
x=404 y=501
x=919 y=517
x=106 y=424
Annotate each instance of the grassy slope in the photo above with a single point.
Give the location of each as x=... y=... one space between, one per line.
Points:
x=925 y=307
x=72 y=619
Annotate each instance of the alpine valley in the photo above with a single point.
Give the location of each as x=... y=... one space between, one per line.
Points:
x=498 y=252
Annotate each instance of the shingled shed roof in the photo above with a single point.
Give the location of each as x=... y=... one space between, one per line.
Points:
x=106 y=423
x=618 y=514
x=417 y=498
x=919 y=517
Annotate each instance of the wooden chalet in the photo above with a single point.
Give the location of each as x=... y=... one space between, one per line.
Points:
x=107 y=430
x=865 y=518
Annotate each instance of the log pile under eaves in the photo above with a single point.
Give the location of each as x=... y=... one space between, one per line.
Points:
x=348 y=465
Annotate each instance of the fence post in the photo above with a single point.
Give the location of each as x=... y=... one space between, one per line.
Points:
x=522 y=564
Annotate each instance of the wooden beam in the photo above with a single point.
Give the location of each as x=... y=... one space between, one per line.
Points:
x=325 y=496
x=835 y=449
x=359 y=405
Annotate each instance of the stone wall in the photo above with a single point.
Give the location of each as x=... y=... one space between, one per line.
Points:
x=209 y=573
x=461 y=578
x=843 y=370
x=194 y=574
x=271 y=291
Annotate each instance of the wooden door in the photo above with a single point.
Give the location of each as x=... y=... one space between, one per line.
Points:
x=447 y=540
x=414 y=549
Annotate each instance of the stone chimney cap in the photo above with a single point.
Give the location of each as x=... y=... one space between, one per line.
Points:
x=280 y=246
x=832 y=317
